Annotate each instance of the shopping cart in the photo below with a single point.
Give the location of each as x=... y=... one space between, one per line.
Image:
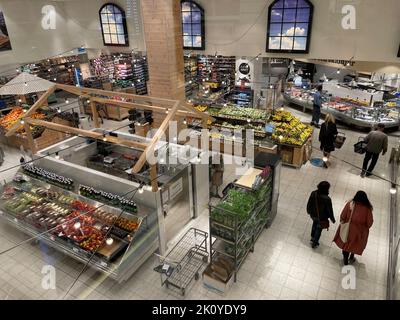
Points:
x=184 y=261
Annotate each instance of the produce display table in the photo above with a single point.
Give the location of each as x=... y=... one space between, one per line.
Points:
x=46 y=139
x=296 y=156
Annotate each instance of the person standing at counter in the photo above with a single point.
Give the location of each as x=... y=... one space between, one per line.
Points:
x=317 y=107
x=377 y=142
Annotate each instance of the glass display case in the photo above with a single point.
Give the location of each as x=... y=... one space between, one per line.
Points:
x=348 y=110
x=109 y=232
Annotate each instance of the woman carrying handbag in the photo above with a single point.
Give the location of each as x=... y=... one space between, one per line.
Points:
x=320 y=209
x=355 y=221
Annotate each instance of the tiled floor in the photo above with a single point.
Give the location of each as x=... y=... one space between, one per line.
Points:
x=283 y=266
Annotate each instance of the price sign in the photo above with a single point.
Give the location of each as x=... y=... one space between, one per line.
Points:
x=103 y=264
x=75 y=250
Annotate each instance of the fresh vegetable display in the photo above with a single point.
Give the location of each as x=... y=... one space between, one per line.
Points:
x=243 y=113
x=289 y=129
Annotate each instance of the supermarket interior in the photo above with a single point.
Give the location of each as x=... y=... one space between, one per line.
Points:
x=199 y=150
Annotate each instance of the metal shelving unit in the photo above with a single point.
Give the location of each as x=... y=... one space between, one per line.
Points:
x=235 y=237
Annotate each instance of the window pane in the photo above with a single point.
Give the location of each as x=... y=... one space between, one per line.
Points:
x=275 y=29
x=287 y=43
x=195 y=7
x=276 y=15
x=279 y=4
x=121 y=39
x=186 y=17
x=300 y=43
x=289 y=15
x=187 y=41
x=197 y=41
x=111 y=18
x=107 y=38
x=110 y=8
x=303 y=15
x=274 y=43
x=302 y=4
x=196 y=16
x=187 y=29
x=185 y=6
x=104 y=18
x=288 y=29
x=116 y=10
x=290 y=3
x=301 y=29
x=106 y=29
x=113 y=28
x=196 y=29
x=120 y=29
x=114 y=39
x=118 y=18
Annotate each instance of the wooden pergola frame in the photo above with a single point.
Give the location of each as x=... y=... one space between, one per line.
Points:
x=128 y=101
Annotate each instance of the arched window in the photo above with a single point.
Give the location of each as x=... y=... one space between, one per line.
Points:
x=113 y=25
x=193 y=25
x=289 y=26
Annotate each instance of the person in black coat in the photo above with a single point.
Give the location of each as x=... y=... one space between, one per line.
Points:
x=319 y=207
x=327 y=136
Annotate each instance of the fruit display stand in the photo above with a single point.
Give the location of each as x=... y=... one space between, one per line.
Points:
x=237 y=221
x=44 y=210
x=294 y=139
x=294 y=155
x=46 y=139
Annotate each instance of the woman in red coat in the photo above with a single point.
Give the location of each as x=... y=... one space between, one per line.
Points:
x=361 y=222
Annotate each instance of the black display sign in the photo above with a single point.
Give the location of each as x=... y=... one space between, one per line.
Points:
x=244 y=68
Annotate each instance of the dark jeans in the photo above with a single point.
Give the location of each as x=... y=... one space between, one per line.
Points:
x=316 y=114
x=346 y=256
x=368 y=156
x=316 y=231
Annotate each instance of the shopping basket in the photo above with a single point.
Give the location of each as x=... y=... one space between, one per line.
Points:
x=339 y=140
x=361 y=146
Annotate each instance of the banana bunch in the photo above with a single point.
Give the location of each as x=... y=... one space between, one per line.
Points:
x=201 y=108
x=289 y=129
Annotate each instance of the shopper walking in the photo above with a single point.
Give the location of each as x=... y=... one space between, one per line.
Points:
x=327 y=136
x=320 y=209
x=377 y=142
x=317 y=105
x=358 y=214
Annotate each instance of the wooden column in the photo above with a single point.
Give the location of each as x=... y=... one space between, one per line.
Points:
x=164 y=45
x=29 y=137
x=95 y=114
x=153 y=177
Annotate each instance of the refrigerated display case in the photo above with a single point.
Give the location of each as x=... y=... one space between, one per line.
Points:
x=348 y=110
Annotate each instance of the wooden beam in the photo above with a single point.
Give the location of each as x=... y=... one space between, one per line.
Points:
x=29 y=137
x=132 y=105
x=83 y=90
x=32 y=110
x=85 y=133
x=95 y=114
x=153 y=177
x=150 y=148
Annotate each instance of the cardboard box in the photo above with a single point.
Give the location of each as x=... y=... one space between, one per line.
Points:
x=213 y=283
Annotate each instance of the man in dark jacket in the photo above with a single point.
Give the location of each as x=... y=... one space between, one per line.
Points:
x=320 y=209
x=377 y=142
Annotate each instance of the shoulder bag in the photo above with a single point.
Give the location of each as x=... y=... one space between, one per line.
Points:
x=323 y=223
x=345 y=226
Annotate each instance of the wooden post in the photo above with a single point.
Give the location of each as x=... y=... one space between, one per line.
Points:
x=29 y=137
x=95 y=114
x=153 y=177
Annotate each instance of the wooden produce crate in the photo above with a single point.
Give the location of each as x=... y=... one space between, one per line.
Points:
x=296 y=156
x=47 y=138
